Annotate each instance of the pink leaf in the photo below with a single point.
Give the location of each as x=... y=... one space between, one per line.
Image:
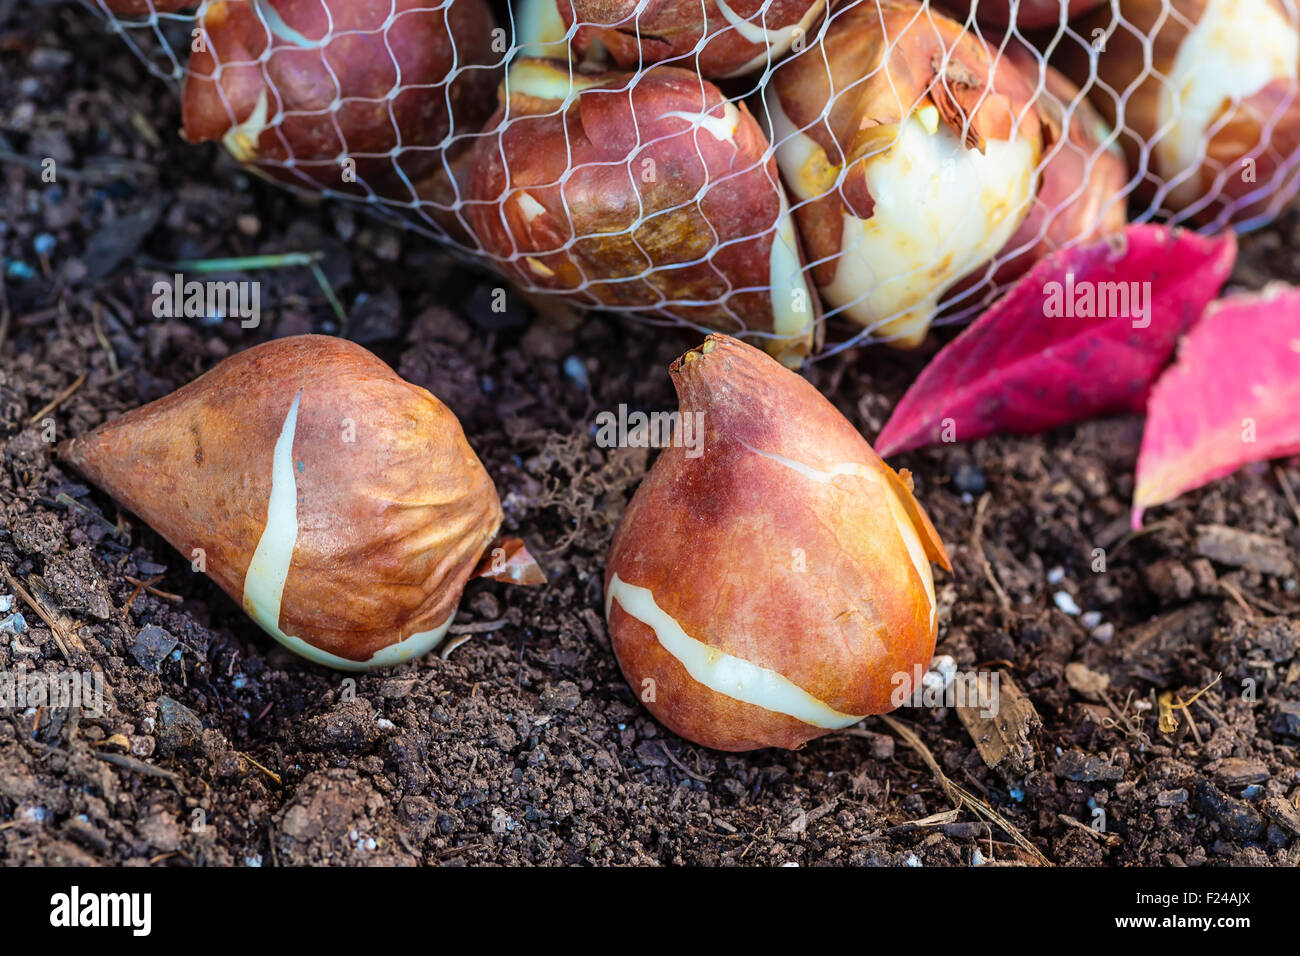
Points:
x=1229 y=399
x=1043 y=356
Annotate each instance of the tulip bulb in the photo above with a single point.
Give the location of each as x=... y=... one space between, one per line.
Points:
x=648 y=192
x=143 y=8
x=1024 y=14
x=356 y=97
x=716 y=38
x=338 y=504
x=776 y=585
x=1214 y=110
x=912 y=156
x=1083 y=179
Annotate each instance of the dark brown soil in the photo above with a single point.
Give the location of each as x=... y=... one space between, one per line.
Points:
x=526 y=745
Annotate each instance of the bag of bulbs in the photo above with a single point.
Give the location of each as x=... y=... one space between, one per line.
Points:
x=802 y=173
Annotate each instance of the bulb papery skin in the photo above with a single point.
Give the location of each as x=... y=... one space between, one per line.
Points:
x=776 y=586
x=357 y=97
x=718 y=39
x=647 y=192
x=339 y=505
x=1213 y=110
x=904 y=180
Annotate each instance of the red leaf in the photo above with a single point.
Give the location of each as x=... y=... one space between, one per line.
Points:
x=1041 y=357
x=1229 y=399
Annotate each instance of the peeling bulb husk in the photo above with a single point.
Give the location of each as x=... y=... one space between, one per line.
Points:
x=341 y=507
x=777 y=586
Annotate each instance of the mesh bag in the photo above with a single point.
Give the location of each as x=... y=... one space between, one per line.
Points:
x=807 y=174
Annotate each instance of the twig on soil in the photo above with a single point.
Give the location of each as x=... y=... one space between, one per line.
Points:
x=1108 y=838
x=149 y=587
x=96 y=316
x=1287 y=491
x=68 y=501
x=275 y=261
x=959 y=795
x=1246 y=602
x=1123 y=717
x=270 y=773
x=139 y=766
x=55 y=629
x=681 y=766
x=1141 y=532
x=59 y=399
x=977 y=544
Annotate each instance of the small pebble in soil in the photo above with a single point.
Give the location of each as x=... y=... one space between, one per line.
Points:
x=14 y=623
x=968 y=479
x=152 y=645
x=942 y=670
x=179 y=729
x=1066 y=603
x=1090 y=619
x=6 y=603
x=1056 y=575
x=576 y=372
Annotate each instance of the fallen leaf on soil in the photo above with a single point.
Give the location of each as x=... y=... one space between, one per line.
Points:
x=1228 y=400
x=1042 y=356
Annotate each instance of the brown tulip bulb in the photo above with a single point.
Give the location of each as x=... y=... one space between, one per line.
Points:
x=1026 y=14
x=1207 y=98
x=647 y=192
x=716 y=38
x=352 y=95
x=770 y=581
x=1083 y=178
x=142 y=8
x=911 y=154
x=338 y=504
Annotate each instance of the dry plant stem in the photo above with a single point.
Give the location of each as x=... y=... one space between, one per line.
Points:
x=959 y=795
x=149 y=586
x=270 y=773
x=59 y=399
x=55 y=629
x=1288 y=491
x=139 y=766
x=977 y=543
x=96 y=318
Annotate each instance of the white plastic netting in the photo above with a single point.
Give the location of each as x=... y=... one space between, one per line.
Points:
x=812 y=175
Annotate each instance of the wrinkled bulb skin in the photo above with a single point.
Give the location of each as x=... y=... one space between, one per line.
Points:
x=718 y=38
x=1214 y=113
x=911 y=155
x=777 y=586
x=626 y=191
x=339 y=505
x=263 y=84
